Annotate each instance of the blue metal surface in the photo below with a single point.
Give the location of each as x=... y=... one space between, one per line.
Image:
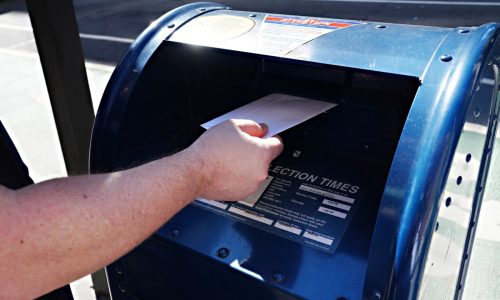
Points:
x=309 y=272
x=122 y=82
x=447 y=259
x=421 y=164
x=396 y=49
x=388 y=264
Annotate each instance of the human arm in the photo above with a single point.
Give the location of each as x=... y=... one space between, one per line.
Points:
x=59 y=230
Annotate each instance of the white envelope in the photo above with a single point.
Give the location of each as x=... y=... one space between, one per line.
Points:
x=279 y=112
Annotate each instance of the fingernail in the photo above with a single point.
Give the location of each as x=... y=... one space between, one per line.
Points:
x=263 y=125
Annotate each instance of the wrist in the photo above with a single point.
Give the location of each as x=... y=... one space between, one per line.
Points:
x=196 y=174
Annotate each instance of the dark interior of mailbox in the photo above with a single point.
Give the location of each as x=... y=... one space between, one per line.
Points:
x=183 y=86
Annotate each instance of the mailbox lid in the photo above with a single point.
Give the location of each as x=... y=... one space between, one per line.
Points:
x=390 y=48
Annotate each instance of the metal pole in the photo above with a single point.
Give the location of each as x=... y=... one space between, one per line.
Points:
x=58 y=42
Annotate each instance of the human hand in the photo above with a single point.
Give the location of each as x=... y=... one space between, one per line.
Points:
x=232 y=159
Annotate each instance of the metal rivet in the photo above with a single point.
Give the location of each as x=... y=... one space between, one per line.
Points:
x=252 y=15
x=479 y=189
x=477 y=112
x=222 y=253
x=448 y=201
x=459 y=180
x=437 y=226
x=468 y=157
x=170 y=25
x=380 y=26
x=446 y=58
x=464 y=31
x=122 y=288
x=202 y=9
x=118 y=270
x=278 y=277
x=174 y=233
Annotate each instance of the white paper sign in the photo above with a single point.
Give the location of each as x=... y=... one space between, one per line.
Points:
x=279 y=112
x=281 y=34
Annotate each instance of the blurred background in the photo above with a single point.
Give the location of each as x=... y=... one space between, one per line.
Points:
x=108 y=27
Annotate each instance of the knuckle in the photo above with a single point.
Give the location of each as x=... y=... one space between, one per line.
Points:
x=263 y=152
x=268 y=155
x=262 y=175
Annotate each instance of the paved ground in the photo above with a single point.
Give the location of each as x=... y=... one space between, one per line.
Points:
x=108 y=26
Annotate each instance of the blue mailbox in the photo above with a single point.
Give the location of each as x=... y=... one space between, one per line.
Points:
x=376 y=198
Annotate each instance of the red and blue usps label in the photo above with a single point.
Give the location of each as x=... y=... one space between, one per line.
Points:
x=309 y=22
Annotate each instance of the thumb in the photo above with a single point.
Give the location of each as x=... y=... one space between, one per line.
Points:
x=275 y=145
x=251 y=128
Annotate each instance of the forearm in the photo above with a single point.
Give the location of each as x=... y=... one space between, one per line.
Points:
x=65 y=228
x=57 y=231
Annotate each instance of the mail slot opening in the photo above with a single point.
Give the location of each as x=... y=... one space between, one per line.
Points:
x=183 y=86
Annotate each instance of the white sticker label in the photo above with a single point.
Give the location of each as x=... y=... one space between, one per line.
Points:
x=280 y=35
x=250 y=215
x=317 y=238
x=213 y=203
x=332 y=212
x=326 y=193
x=288 y=227
x=336 y=204
x=297 y=204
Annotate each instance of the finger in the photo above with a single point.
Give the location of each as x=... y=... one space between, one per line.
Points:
x=251 y=128
x=275 y=145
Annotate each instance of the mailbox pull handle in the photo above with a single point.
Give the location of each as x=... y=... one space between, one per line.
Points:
x=236 y=265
